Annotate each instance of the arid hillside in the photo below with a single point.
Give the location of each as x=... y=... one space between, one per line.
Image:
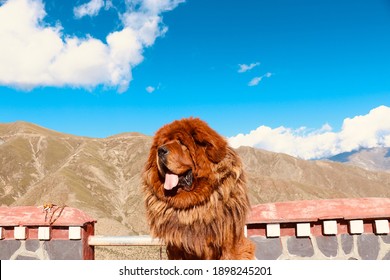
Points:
x=377 y=159
x=103 y=176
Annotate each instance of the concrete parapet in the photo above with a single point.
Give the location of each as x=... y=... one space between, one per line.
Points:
x=46 y=232
x=315 y=229
x=322 y=229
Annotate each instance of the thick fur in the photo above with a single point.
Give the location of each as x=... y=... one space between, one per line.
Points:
x=204 y=216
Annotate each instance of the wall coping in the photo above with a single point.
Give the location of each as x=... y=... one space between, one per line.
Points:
x=38 y=216
x=278 y=212
x=315 y=210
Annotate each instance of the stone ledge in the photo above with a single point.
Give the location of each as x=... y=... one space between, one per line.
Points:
x=315 y=210
x=320 y=217
x=38 y=216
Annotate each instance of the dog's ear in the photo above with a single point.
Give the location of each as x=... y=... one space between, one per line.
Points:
x=215 y=145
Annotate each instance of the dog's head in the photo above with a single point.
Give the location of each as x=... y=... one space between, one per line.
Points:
x=183 y=153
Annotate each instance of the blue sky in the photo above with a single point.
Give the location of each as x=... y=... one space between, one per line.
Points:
x=297 y=69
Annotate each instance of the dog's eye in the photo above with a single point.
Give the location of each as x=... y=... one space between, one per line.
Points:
x=183 y=147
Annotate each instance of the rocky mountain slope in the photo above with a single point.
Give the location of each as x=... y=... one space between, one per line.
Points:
x=100 y=176
x=377 y=159
x=103 y=176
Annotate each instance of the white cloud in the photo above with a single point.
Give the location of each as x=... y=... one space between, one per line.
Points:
x=245 y=67
x=371 y=130
x=146 y=26
x=156 y=6
x=150 y=89
x=91 y=8
x=367 y=131
x=34 y=54
x=256 y=80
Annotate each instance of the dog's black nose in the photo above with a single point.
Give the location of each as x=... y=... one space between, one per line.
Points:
x=162 y=151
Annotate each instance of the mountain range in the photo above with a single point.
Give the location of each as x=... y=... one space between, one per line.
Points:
x=377 y=158
x=102 y=176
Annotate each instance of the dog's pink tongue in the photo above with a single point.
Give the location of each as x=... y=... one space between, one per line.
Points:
x=171 y=181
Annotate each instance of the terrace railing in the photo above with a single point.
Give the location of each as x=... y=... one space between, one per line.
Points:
x=313 y=229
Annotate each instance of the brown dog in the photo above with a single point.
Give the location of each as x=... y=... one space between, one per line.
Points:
x=195 y=194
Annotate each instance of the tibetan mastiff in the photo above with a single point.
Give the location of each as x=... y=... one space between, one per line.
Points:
x=195 y=193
